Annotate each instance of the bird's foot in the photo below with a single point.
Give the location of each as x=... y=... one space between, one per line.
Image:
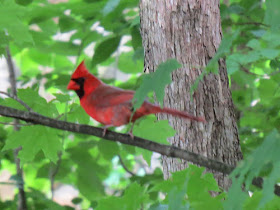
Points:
x=105 y=129
x=131 y=134
x=104 y=132
x=130 y=131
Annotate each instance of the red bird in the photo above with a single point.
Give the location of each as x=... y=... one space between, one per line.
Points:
x=110 y=105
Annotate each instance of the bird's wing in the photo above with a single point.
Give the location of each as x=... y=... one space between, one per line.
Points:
x=106 y=95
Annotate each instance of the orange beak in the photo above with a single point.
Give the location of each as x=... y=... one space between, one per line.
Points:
x=73 y=85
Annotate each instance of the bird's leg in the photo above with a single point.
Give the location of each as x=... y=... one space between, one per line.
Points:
x=130 y=131
x=105 y=129
x=131 y=121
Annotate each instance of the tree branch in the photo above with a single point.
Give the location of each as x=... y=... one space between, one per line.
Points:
x=167 y=150
x=170 y=151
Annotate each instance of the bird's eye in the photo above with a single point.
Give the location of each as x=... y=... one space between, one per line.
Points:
x=80 y=80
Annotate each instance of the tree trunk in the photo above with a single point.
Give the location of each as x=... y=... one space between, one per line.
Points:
x=190 y=31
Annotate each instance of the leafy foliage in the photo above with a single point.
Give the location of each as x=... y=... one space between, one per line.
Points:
x=193 y=183
x=152 y=130
x=48 y=40
x=42 y=138
x=156 y=81
x=133 y=198
x=267 y=165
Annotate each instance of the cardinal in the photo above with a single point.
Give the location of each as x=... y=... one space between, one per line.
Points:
x=110 y=105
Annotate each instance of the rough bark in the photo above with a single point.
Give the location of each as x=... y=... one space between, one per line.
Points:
x=190 y=31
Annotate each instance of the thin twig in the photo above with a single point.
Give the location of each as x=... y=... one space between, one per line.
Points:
x=244 y=69
x=252 y=23
x=125 y=168
x=17 y=99
x=54 y=171
x=22 y=204
x=8 y=183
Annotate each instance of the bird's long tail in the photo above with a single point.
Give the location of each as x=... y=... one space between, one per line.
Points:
x=180 y=114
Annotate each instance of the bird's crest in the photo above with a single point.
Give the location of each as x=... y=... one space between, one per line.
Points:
x=81 y=71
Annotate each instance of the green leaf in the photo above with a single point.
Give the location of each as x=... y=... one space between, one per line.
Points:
x=136 y=37
x=269 y=53
x=232 y=65
x=49 y=27
x=62 y=48
x=40 y=201
x=13 y=24
x=3 y=39
x=194 y=184
x=110 y=6
x=159 y=207
x=77 y=113
x=224 y=48
x=65 y=170
x=275 y=64
x=268 y=185
x=267 y=90
x=126 y=202
x=156 y=82
x=251 y=56
x=77 y=200
x=252 y=202
x=151 y=129
x=62 y=97
x=266 y=154
x=236 y=197
x=105 y=49
x=34 y=101
x=36 y=138
x=272 y=14
x=235 y=60
x=135 y=21
x=24 y=2
x=254 y=44
x=138 y=54
x=272 y=38
x=89 y=173
x=108 y=149
x=67 y=23
x=87 y=11
x=176 y=199
x=37 y=103
x=226 y=43
x=258 y=33
x=236 y=8
x=127 y=65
